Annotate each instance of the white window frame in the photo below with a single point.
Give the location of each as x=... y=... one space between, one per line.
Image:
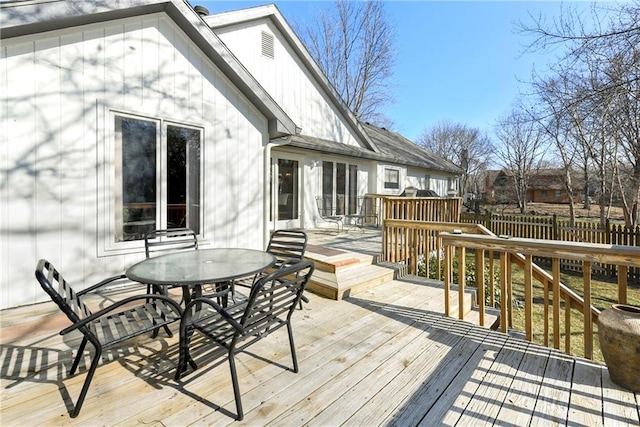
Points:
x=385 y=182
x=106 y=179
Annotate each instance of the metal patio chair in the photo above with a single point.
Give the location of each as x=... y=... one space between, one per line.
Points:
x=161 y=242
x=110 y=325
x=287 y=246
x=270 y=305
x=326 y=212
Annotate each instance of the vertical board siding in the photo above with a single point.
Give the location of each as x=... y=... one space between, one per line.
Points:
x=60 y=87
x=287 y=81
x=19 y=179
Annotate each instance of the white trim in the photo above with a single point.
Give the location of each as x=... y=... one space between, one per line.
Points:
x=106 y=179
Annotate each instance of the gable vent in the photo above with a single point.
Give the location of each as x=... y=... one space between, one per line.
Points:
x=267 y=45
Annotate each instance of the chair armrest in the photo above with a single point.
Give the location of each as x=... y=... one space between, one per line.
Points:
x=186 y=316
x=101 y=284
x=107 y=310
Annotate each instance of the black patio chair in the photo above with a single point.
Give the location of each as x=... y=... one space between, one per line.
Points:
x=109 y=326
x=269 y=307
x=161 y=242
x=288 y=246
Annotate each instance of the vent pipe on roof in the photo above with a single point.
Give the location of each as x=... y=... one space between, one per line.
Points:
x=201 y=10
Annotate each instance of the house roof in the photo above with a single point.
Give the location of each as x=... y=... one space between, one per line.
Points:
x=20 y=18
x=399 y=149
x=271 y=12
x=393 y=148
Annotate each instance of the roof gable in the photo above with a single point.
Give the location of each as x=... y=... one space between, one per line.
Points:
x=229 y=25
x=27 y=18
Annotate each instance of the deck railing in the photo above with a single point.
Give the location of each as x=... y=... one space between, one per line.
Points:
x=429 y=248
x=522 y=251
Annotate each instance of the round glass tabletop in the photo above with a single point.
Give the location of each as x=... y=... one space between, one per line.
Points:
x=200 y=266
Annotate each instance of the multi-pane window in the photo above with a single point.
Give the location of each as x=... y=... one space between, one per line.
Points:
x=157 y=176
x=391 y=178
x=340 y=187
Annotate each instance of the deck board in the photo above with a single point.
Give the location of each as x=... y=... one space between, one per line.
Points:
x=386 y=356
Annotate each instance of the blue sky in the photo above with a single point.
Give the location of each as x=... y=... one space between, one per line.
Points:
x=461 y=61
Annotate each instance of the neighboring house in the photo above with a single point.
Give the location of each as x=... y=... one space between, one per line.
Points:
x=120 y=117
x=545 y=186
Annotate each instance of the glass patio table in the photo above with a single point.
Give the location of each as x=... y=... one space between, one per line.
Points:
x=192 y=269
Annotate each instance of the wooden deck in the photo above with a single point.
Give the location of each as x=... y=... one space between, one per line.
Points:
x=386 y=356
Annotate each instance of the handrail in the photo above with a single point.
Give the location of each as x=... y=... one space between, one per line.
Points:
x=401 y=243
x=525 y=249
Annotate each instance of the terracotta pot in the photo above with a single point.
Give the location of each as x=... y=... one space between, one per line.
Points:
x=619 y=335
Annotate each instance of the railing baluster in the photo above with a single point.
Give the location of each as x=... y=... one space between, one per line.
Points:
x=462 y=278
x=480 y=283
x=555 y=272
x=448 y=267
x=504 y=261
x=586 y=311
x=622 y=284
x=528 y=298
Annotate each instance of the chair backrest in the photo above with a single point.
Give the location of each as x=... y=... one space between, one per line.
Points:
x=159 y=242
x=287 y=245
x=325 y=206
x=274 y=296
x=61 y=293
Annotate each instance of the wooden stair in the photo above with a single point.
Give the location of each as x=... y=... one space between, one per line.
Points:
x=341 y=273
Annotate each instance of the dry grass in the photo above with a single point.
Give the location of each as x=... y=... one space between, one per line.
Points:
x=614 y=213
x=604 y=293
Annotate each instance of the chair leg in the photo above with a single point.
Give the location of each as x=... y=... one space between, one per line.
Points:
x=87 y=381
x=293 y=348
x=236 y=387
x=76 y=361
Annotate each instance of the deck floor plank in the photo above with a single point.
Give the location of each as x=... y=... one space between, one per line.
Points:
x=586 y=395
x=552 y=403
x=450 y=404
x=386 y=356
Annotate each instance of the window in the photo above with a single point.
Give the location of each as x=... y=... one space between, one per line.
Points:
x=340 y=186
x=391 y=178
x=157 y=176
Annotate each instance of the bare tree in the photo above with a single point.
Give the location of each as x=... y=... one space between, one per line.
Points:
x=521 y=151
x=354 y=44
x=551 y=116
x=462 y=145
x=602 y=65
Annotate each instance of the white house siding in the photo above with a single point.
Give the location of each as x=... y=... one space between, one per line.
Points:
x=57 y=88
x=438 y=181
x=286 y=79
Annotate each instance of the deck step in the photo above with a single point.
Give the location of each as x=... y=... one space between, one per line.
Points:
x=340 y=273
x=348 y=281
